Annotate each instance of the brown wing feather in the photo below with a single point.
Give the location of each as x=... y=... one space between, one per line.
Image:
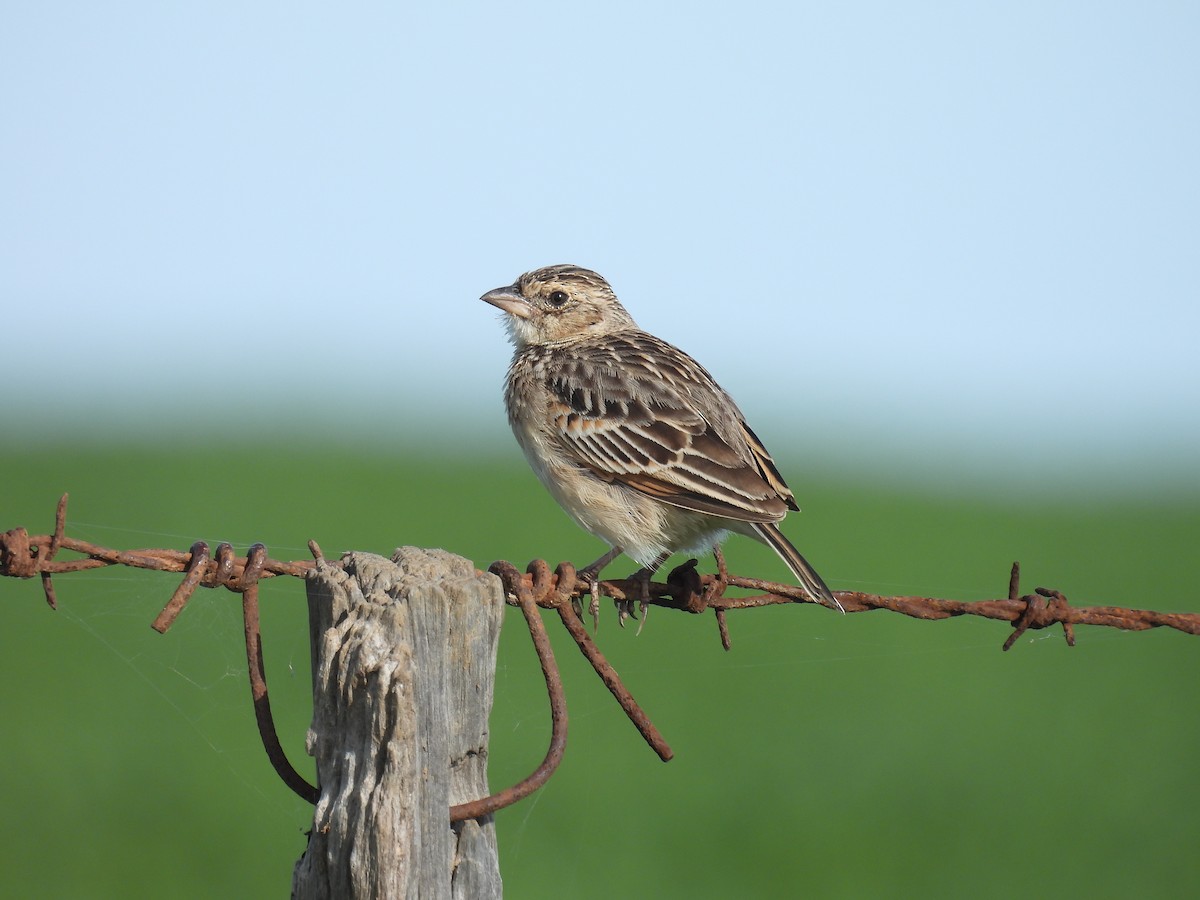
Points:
x=635 y=410
x=766 y=467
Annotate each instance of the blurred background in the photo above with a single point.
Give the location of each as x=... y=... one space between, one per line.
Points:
x=943 y=256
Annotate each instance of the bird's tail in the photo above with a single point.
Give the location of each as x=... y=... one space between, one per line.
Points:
x=770 y=534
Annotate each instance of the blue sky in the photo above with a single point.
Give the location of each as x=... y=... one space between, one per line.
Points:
x=884 y=227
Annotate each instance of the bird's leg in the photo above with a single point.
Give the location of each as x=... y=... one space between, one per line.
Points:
x=642 y=578
x=590 y=575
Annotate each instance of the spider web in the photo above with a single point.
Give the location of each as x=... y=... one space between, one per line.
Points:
x=191 y=683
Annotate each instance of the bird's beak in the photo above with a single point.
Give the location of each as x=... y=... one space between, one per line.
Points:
x=510 y=301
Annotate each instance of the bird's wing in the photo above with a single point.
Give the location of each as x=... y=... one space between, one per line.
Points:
x=635 y=410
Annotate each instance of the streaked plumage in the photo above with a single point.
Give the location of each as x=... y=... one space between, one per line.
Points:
x=632 y=436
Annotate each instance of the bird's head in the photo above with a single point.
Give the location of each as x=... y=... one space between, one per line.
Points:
x=559 y=303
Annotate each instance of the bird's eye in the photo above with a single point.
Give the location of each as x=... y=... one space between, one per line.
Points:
x=557 y=298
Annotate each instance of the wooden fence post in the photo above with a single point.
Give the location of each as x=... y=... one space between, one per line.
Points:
x=404 y=663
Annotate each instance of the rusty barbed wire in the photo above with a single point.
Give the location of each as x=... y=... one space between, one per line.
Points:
x=24 y=556
x=540 y=586
x=686 y=590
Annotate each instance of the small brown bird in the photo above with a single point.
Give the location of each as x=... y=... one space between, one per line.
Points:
x=634 y=439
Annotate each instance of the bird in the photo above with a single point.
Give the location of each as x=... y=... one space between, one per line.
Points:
x=634 y=438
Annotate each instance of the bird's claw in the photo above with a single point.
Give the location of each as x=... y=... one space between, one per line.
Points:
x=640 y=595
x=591 y=577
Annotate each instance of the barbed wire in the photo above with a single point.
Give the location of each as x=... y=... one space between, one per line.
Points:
x=687 y=590
x=25 y=556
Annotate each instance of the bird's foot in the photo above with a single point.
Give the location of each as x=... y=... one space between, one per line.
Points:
x=640 y=594
x=594 y=607
x=591 y=577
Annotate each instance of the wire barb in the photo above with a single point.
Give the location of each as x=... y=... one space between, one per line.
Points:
x=183 y=593
x=1038 y=613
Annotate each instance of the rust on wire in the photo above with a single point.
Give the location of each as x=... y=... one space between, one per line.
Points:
x=558 y=728
x=195 y=571
x=24 y=557
x=56 y=539
x=246 y=584
x=1038 y=613
x=555 y=591
x=680 y=593
x=258 y=690
x=686 y=590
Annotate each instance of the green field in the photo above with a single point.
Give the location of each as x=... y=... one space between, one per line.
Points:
x=857 y=756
